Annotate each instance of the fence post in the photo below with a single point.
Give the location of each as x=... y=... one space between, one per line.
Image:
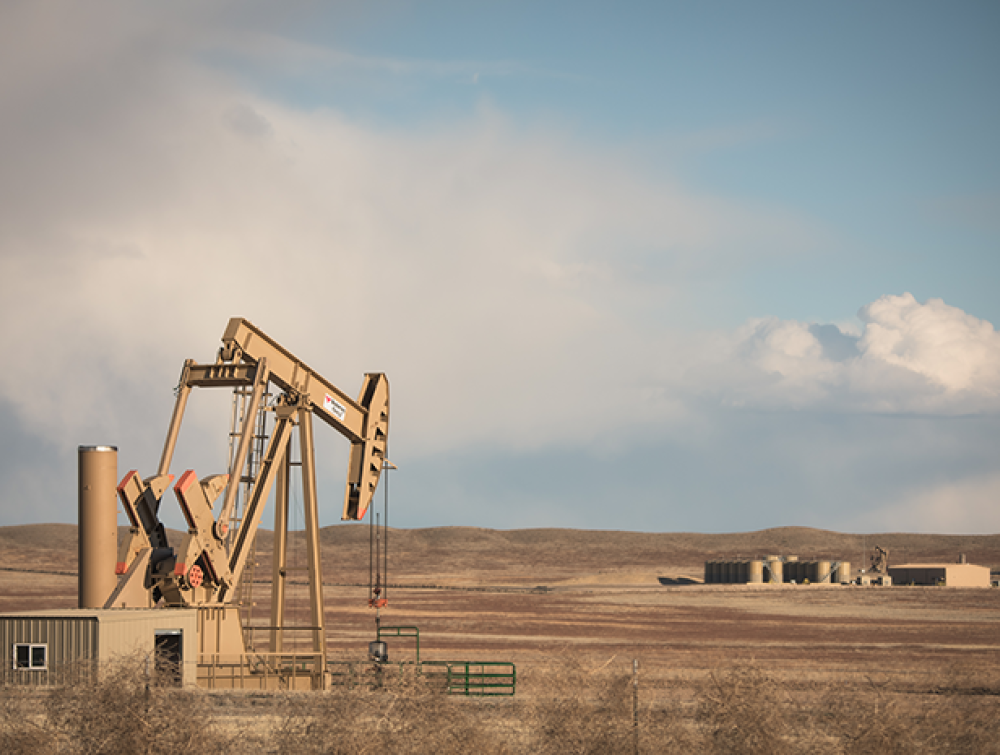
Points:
x=635 y=705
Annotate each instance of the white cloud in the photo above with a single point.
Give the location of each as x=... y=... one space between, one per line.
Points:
x=955 y=351
x=909 y=357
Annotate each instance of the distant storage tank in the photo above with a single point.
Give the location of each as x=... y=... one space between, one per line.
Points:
x=742 y=575
x=708 y=572
x=774 y=566
x=97 y=524
x=755 y=572
x=843 y=574
x=823 y=574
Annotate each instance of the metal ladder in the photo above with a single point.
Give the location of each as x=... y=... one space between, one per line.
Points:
x=255 y=455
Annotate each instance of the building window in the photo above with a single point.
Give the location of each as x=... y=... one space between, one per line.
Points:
x=35 y=657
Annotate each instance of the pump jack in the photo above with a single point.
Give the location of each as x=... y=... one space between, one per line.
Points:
x=204 y=571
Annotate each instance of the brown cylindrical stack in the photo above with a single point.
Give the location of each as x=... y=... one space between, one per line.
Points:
x=97 y=533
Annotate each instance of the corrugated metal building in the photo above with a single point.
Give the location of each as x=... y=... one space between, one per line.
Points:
x=56 y=647
x=949 y=575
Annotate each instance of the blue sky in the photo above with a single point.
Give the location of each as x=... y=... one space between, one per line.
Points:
x=653 y=266
x=874 y=121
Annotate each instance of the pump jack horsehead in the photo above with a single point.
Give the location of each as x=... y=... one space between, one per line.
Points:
x=204 y=570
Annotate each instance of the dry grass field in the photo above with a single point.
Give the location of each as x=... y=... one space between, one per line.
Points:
x=721 y=668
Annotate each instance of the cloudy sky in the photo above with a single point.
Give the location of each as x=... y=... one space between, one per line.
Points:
x=653 y=266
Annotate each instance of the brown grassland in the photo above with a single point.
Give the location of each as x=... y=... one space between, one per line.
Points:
x=735 y=669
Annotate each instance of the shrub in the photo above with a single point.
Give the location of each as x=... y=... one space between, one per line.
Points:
x=120 y=710
x=563 y=707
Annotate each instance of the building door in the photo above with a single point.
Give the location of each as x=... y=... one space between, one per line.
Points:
x=169 y=657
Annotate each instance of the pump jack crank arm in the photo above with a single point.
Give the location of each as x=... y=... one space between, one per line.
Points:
x=141 y=501
x=196 y=502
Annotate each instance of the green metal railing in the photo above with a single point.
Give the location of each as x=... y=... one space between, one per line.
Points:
x=473 y=678
x=470 y=678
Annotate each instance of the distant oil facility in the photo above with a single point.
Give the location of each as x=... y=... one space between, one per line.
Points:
x=775 y=570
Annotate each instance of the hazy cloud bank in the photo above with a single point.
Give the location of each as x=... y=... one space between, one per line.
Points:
x=520 y=287
x=498 y=274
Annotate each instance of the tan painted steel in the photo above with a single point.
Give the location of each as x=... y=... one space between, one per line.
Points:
x=260 y=383
x=183 y=391
x=312 y=537
x=279 y=556
x=98 y=528
x=206 y=569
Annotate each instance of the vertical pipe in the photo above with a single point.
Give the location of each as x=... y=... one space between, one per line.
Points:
x=97 y=528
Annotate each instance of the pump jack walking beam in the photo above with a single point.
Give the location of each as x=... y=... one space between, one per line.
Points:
x=247 y=351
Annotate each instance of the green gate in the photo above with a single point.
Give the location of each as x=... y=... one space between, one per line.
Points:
x=472 y=678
